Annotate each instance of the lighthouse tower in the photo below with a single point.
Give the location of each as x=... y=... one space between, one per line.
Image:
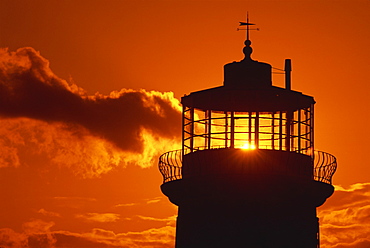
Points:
x=247 y=174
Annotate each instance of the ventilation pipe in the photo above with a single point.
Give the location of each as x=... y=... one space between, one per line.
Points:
x=288 y=70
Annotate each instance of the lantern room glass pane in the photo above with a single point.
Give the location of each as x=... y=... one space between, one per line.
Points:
x=279 y=130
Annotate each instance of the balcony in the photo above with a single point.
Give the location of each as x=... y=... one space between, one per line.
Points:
x=320 y=169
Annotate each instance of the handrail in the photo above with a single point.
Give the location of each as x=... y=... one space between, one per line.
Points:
x=325 y=166
x=170 y=165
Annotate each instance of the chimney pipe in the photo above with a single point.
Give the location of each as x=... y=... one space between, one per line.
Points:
x=288 y=69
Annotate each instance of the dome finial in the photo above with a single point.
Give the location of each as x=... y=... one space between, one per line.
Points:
x=247 y=50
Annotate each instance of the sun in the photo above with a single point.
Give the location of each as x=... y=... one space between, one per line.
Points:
x=248 y=146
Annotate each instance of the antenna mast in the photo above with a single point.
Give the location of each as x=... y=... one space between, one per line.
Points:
x=248 y=24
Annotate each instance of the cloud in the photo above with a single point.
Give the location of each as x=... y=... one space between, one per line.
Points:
x=26 y=140
x=169 y=221
x=48 y=213
x=99 y=217
x=37 y=226
x=12 y=239
x=126 y=205
x=98 y=238
x=91 y=134
x=153 y=238
x=154 y=200
x=36 y=234
x=147 y=201
x=345 y=218
x=361 y=243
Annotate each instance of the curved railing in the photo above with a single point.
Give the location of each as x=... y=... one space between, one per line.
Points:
x=325 y=166
x=170 y=166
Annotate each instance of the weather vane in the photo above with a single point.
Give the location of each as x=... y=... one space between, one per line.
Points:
x=247 y=24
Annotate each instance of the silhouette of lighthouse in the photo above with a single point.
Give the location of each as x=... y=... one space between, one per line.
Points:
x=247 y=174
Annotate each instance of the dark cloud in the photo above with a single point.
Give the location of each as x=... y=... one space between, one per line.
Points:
x=28 y=88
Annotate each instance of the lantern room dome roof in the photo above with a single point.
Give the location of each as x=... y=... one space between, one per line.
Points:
x=247 y=87
x=253 y=100
x=247 y=73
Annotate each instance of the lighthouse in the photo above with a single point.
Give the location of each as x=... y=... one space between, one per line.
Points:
x=248 y=174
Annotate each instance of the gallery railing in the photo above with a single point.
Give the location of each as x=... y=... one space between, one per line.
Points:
x=170 y=166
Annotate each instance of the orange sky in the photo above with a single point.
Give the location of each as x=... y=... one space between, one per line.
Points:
x=73 y=166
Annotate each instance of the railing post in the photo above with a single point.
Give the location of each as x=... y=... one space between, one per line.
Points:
x=232 y=130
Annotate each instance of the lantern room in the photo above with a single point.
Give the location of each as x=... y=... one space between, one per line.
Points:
x=247 y=112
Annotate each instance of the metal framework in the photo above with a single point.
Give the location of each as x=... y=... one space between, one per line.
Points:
x=280 y=130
